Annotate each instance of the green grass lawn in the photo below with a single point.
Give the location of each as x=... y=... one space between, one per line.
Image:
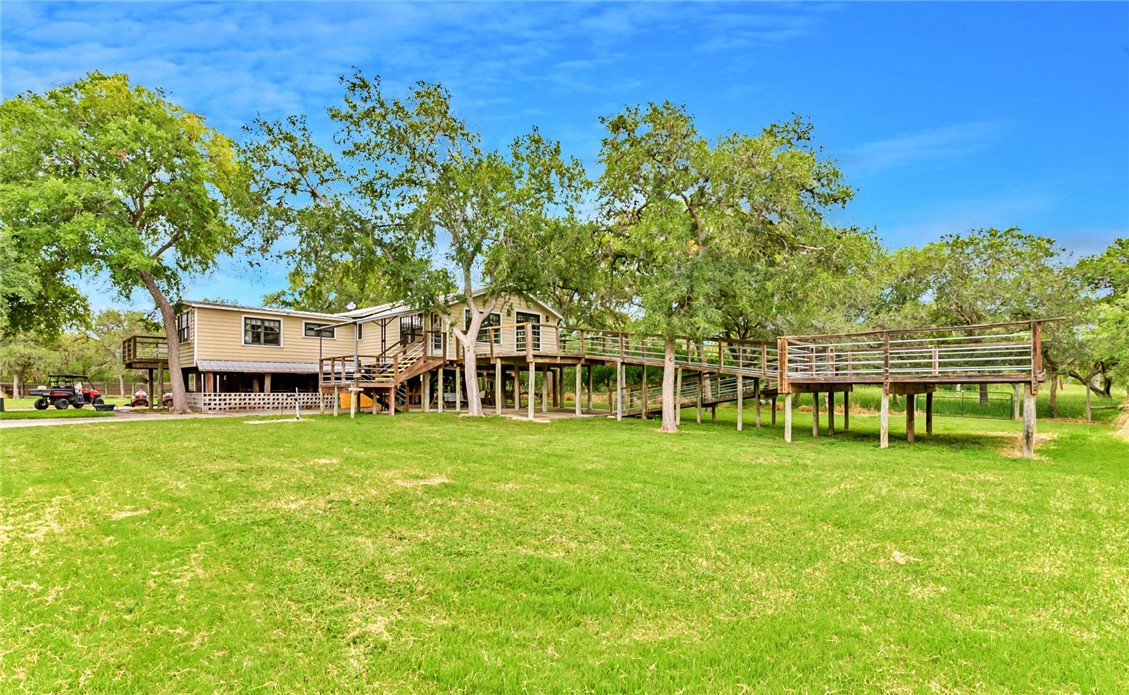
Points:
x=434 y=553
x=24 y=409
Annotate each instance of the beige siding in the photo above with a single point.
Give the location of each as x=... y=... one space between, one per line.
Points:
x=508 y=308
x=219 y=334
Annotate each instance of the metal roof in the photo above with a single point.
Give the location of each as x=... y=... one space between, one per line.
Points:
x=257 y=366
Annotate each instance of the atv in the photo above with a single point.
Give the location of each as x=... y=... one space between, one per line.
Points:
x=65 y=390
x=141 y=399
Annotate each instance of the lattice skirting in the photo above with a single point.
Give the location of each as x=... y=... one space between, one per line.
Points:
x=213 y=402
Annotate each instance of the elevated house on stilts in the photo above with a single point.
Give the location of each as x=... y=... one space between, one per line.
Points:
x=394 y=357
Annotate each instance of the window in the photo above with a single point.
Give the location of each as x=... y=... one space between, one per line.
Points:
x=310 y=329
x=360 y=332
x=436 y=333
x=535 y=330
x=184 y=327
x=411 y=329
x=262 y=331
x=490 y=320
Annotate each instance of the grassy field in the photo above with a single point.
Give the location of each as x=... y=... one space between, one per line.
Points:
x=24 y=409
x=433 y=553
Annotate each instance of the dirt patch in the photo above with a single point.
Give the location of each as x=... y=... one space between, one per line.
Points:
x=126 y=513
x=1121 y=424
x=435 y=480
x=1011 y=444
x=271 y=422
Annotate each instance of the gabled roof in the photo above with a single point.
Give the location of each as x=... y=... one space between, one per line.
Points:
x=259 y=309
x=360 y=315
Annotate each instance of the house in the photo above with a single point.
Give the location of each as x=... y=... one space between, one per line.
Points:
x=240 y=357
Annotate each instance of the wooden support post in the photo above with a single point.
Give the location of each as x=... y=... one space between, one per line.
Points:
x=558 y=387
x=517 y=388
x=439 y=400
x=391 y=400
x=618 y=391
x=831 y=412
x=788 y=417
x=336 y=401
x=531 y=392
x=591 y=384
x=740 y=402
x=353 y=402
x=578 y=390
x=1029 y=422
x=498 y=387
x=266 y=382
x=645 y=394
x=884 y=421
x=774 y=410
x=321 y=401
x=698 y=405
x=374 y=404
x=458 y=389
x=1015 y=415
x=545 y=378
x=678 y=396
x=846 y=411
x=929 y=413
x=425 y=393
x=815 y=414
x=910 y=408
x=713 y=413
x=757 y=402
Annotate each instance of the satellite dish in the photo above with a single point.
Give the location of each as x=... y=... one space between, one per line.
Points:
x=350 y=306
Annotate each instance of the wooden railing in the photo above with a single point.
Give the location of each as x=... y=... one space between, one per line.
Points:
x=988 y=352
x=723 y=355
x=382 y=369
x=1004 y=352
x=145 y=348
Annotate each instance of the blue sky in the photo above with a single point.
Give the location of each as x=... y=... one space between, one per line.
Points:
x=944 y=116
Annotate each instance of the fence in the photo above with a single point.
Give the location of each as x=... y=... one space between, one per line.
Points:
x=217 y=402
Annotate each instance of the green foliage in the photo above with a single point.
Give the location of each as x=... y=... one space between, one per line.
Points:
x=411 y=207
x=103 y=178
x=1107 y=275
x=108 y=177
x=700 y=226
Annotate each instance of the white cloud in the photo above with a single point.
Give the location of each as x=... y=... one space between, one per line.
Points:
x=934 y=145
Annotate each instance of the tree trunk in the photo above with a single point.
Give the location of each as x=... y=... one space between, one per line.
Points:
x=470 y=379
x=121 y=385
x=15 y=384
x=168 y=318
x=1054 y=395
x=983 y=394
x=670 y=402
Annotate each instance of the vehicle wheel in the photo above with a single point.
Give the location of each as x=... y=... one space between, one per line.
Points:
x=41 y=404
x=79 y=405
x=98 y=401
x=61 y=403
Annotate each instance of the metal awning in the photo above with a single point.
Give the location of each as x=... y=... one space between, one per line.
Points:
x=257 y=366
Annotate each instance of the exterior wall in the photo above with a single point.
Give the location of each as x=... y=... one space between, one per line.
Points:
x=186 y=349
x=219 y=336
x=508 y=308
